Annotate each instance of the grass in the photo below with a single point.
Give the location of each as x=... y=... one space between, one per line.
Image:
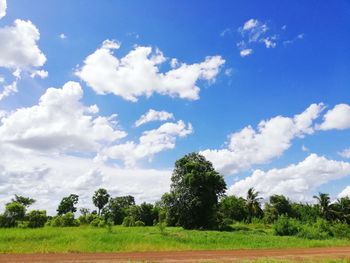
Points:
x=89 y=239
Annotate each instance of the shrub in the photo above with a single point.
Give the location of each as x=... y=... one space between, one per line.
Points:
x=321 y=229
x=139 y=223
x=285 y=226
x=96 y=222
x=341 y=230
x=128 y=221
x=36 y=218
x=64 y=221
x=57 y=221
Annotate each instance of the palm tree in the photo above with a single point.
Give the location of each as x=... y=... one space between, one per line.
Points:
x=342 y=209
x=324 y=202
x=253 y=204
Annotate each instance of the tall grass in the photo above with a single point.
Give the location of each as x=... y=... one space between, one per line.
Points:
x=89 y=239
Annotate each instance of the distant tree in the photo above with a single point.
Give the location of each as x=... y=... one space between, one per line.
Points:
x=168 y=204
x=233 y=207
x=342 y=209
x=278 y=205
x=14 y=212
x=147 y=214
x=118 y=207
x=306 y=213
x=196 y=188
x=324 y=202
x=67 y=204
x=26 y=201
x=100 y=199
x=84 y=211
x=253 y=204
x=37 y=218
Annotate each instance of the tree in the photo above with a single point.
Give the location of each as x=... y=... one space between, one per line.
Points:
x=196 y=187
x=279 y=205
x=342 y=209
x=253 y=204
x=68 y=204
x=147 y=214
x=233 y=207
x=324 y=202
x=118 y=207
x=14 y=212
x=26 y=201
x=100 y=199
x=37 y=218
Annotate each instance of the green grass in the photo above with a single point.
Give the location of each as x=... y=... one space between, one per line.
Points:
x=88 y=239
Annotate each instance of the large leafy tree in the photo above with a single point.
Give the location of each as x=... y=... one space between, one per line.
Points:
x=100 y=199
x=233 y=207
x=26 y=201
x=342 y=209
x=253 y=204
x=279 y=205
x=67 y=204
x=118 y=207
x=195 y=190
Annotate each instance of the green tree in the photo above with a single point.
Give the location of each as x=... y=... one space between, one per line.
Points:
x=342 y=209
x=147 y=214
x=100 y=199
x=279 y=205
x=26 y=201
x=118 y=207
x=14 y=212
x=37 y=218
x=324 y=202
x=196 y=187
x=68 y=204
x=253 y=204
x=233 y=207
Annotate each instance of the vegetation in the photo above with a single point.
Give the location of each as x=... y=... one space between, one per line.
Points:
x=196 y=201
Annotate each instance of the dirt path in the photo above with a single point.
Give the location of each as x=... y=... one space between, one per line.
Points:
x=313 y=254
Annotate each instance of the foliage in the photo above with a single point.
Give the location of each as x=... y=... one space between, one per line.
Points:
x=100 y=199
x=285 y=226
x=234 y=208
x=253 y=204
x=118 y=207
x=129 y=221
x=139 y=223
x=36 y=218
x=65 y=220
x=67 y=204
x=26 y=201
x=195 y=190
x=279 y=205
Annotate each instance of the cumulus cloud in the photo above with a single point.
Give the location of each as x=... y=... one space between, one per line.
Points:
x=8 y=90
x=345 y=192
x=153 y=115
x=59 y=123
x=18 y=46
x=246 y=52
x=272 y=138
x=337 y=118
x=3 y=7
x=138 y=73
x=150 y=143
x=296 y=181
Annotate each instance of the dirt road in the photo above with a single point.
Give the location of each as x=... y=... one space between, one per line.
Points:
x=313 y=254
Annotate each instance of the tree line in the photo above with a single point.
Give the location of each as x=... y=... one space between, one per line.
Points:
x=196 y=200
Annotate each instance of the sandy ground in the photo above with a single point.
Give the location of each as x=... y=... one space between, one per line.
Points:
x=308 y=254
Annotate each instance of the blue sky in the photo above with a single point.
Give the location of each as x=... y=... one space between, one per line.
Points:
x=240 y=63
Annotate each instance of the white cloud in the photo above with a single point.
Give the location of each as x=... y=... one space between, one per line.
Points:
x=18 y=46
x=345 y=192
x=59 y=123
x=345 y=153
x=62 y=36
x=40 y=73
x=150 y=143
x=246 y=52
x=49 y=179
x=138 y=73
x=336 y=118
x=250 y=24
x=272 y=138
x=3 y=7
x=8 y=90
x=304 y=148
x=153 y=115
x=296 y=181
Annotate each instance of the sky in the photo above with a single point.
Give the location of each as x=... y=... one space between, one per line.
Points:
x=111 y=93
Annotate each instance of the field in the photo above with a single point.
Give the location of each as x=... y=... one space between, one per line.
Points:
x=123 y=239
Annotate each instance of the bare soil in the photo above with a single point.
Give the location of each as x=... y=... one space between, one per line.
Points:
x=308 y=254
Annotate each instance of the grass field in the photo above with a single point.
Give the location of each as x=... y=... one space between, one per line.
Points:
x=89 y=239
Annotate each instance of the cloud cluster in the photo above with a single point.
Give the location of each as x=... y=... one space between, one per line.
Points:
x=296 y=181
x=153 y=115
x=272 y=138
x=337 y=118
x=59 y=123
x=138 y=73
x=254 y=31
x=150 y=143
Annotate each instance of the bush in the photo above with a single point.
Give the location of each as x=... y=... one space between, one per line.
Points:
x=36 y=218
x=64 y=221
x=321 y=229
x=139 y=223
x=128 y=221
x=341 y=230
x=57 y=221
x=96 y=222
x=285 y=226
